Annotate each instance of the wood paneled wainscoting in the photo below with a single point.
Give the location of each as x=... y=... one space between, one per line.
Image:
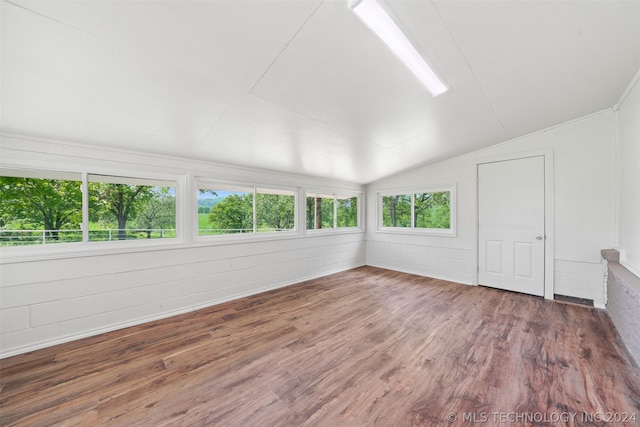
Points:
x=366 y=347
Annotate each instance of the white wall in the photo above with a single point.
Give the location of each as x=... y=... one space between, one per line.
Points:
x=63 y=295
x=629 y=179
x=584 y=209
x=47 y=300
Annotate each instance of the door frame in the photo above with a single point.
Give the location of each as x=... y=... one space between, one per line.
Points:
x=549 y=230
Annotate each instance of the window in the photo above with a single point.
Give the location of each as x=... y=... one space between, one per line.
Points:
x=331 y=211
x=320 y=210
x=430 y=211
x=275 y=210
x=226 y=210
x=396 y=211
x=229 y=209
x=40 y=207
x=347 y=211
x=122 y=208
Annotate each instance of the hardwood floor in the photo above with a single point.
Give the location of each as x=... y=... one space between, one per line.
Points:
x=367 y=347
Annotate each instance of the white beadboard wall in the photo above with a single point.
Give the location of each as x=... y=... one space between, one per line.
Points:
x=623 y=303
x=584 y=214
x=45 y=300
x=48 y=301
x=629 y=178
x=453 y=264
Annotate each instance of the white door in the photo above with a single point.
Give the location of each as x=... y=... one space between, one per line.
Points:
x=511 y=225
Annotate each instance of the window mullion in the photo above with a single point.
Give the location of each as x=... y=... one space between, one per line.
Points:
x=85 y=207
x=255 y=210
x=380 y=210
x=413 y=210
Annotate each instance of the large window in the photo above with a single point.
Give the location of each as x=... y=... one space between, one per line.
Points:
x=229 y=209
x=122 y=208
x=331 y=211
x=39 y=207
x=428 y=211
x=97 y=210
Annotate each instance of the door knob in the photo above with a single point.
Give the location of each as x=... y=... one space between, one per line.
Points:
x=538 y=237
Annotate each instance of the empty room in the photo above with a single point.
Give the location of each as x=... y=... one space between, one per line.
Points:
x=319 y=213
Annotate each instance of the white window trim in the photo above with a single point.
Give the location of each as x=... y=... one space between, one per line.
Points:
x=449 y=232
x=149 y=178
x=186 y=187
x=335 y=193
x=242 y=237
x=14 y=254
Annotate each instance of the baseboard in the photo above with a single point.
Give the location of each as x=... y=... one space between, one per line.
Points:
x=417 y=273
x=626 y=264
x=110 y=328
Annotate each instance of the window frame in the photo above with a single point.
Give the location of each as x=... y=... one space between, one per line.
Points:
x=150 y=178
x=347 y=194
x=321 y=195
x=255 y=234
x=265 y=190
x=186 y=185
x=85 y=247
x=358 y=198
x=412 y=229
x=47 y=174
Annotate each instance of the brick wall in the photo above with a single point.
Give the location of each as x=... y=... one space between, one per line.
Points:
x=623 y=305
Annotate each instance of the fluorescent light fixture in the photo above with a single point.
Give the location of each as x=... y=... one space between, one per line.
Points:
x=378 y=21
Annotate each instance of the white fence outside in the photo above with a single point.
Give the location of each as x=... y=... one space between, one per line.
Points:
x=44 y=237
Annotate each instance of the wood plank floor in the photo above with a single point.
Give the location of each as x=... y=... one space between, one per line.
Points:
x=366 y=347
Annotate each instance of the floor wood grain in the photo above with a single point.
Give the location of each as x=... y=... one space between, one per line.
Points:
x=366 y=347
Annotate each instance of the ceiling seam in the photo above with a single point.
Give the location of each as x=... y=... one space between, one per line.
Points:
x=285 y=47
x=471 y=70
x=120 y=45
x=73 y=27
x=196 y=150
x=634 y=80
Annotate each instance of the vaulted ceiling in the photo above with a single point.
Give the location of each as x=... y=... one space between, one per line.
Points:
x=302 y=86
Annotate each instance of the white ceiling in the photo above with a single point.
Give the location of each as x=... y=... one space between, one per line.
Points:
x=302 y=86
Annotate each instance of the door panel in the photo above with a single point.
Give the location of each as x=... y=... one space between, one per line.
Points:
x=523 y=259
x=494 y=256
x=511 y=225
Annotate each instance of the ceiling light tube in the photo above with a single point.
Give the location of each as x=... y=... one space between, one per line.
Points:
x=378 y=21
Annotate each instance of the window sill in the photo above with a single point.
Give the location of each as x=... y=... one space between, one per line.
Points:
x=418 y=232
x=33 y=253
x=227 y=239
x=9 y=255
x=266 y=237
x=331 y=231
